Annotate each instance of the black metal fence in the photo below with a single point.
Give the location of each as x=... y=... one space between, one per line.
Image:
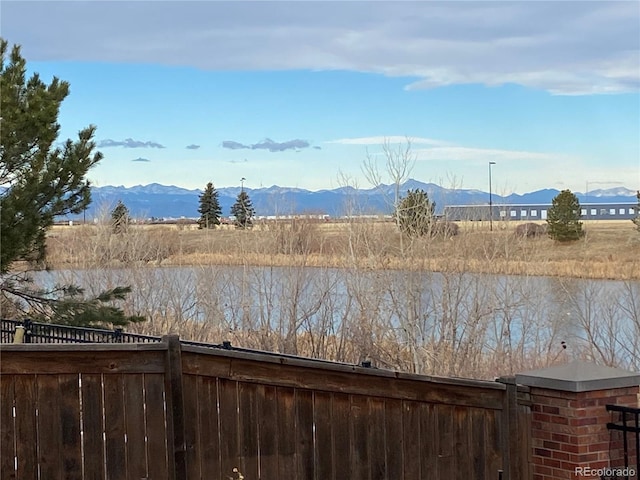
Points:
x=628 y=423
x=36 y=332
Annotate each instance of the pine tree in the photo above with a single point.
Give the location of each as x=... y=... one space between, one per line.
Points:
x=40 y=181
x=243 y=211
x=563 y=218
x=210 y=211
x=636 y=220
x=415 y=214
x=120 y=218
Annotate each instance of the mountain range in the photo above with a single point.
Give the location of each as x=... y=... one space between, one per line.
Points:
x=160 y=201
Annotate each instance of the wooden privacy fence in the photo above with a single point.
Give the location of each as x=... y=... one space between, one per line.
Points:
x=170 y=411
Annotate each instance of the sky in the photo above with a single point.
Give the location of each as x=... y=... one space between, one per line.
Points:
x=304 y=93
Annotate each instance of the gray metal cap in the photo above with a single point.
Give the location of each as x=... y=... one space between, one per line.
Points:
x=579 y=376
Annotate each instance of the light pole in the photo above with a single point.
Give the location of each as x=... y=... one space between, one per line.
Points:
x=490 y=199
x=586 y=198
x=242 y=184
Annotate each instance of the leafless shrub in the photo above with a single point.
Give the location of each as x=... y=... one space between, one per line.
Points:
x=445 y=229
x=531 y=230
x=296 y=236
x=607 y=322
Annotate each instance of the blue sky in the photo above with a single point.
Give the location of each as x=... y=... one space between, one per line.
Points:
x=301 y=93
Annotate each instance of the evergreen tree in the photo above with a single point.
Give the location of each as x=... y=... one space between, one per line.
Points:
x=563 y=218
x=120 y=218
x=415 y=214
x=210 y=211
x=243 y=211
x=636 y=220
x=38 y=182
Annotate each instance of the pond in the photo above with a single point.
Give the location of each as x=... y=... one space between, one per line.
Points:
x=485 y=313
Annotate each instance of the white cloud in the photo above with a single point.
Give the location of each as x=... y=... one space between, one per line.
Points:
x=484 y=155
x=440 y=150
x=564 y=47
x=392 y=139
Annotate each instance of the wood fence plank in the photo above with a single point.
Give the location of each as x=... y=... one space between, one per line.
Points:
x=268 y=431
x=70 y=422
x=115 y=447
x=135 y=426
x=49 y=428
x=248 y=429
x=377 y=439
x=484 y=395
x=26 y=437
x=523 y=441
x=394 y=439
x=54 y=362
x=462 y=447
x=155 y=426
x=212 y=366
x=7 y=430
x=192 y=426
x=359 y=420
x=429 y=438
x=323 y=440
x=92 y=427
x=229 y=438
x=209 y=432
x=340 y=413
x=286 y=433
x=446 y=459
x=411 y=439
x=304 y=434
x=174 y=399
x=493 y=445
x=478 y=444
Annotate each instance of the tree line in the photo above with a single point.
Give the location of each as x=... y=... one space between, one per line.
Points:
x=209 y=209
x=211 y=212
x=414 y=215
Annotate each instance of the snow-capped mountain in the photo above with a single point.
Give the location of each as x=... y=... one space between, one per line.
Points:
x=161 y=201
x=611 y=192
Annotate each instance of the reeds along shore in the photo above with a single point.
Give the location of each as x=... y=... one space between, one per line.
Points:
x=610 y=249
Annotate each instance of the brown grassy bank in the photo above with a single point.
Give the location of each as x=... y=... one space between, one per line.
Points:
x=610 y=249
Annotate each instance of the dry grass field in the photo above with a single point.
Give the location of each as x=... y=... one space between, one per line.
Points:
x=609 y=250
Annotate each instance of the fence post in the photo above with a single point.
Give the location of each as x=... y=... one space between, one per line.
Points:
x=508 y=424
x=569 y=434
x=27 y=331
x=18 y=335
x=175 y=409
x=516 y=431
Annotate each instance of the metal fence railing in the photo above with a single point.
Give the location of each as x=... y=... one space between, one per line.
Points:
x=628 y=423
x=37 y=332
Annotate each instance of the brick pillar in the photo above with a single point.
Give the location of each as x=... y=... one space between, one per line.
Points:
x=569 y=419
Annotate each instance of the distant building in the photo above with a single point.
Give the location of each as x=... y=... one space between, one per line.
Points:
x=533 y=212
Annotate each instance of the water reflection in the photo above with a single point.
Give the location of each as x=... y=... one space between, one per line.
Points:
x=454 y=319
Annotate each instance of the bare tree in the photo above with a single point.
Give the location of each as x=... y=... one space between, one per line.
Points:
x=399 y=163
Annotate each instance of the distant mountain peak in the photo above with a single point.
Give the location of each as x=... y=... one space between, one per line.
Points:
x=170 y=201
x=610 y=192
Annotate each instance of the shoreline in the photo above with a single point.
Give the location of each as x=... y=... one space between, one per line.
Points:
x=610 y=251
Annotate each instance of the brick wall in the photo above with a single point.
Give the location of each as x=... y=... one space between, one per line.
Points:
x=569 y=430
